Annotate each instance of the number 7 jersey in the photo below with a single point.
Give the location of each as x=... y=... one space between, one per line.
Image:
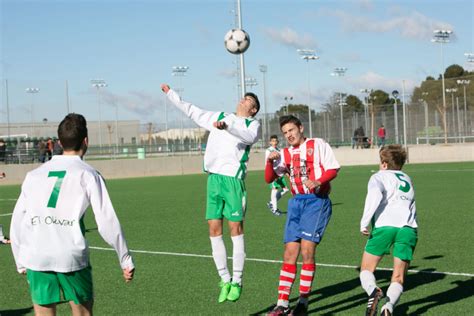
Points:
x=390 y=201
x=47 y=230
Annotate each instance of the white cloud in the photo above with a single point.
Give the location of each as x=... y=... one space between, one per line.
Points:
x=290 y=38
x=413 y=25
x=372 y=80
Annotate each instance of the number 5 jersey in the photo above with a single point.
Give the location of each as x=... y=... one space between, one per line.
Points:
x=390 y=201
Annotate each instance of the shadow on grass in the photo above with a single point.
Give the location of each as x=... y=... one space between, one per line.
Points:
x=433 y=257
x=462 y=291
x=383 y=278
x=16 y=312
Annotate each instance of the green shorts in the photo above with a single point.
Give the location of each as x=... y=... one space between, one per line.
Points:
x=226 y=197
x=46 y=286
x=279 y=183
x=402 y=239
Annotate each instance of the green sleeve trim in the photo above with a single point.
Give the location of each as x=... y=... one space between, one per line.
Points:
x=221 y=116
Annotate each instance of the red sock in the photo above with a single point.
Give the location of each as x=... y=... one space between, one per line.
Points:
x=287 y=277
x=306 y=278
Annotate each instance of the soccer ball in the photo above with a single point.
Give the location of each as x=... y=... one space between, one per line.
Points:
x=236 y=41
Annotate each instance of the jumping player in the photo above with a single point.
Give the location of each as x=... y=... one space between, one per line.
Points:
x=225 y=160
x=311 y=165
x=390 y=207
x=279 y=187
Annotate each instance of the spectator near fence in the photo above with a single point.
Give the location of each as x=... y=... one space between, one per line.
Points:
x=381 y=136
x=42 y=151
x=3 y=149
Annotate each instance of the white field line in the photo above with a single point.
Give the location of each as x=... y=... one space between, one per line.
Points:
x=9 y=214
x=8 y=199
x=343 y=266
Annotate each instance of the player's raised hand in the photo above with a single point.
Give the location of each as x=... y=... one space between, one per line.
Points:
x=128 y=274
x=220 y=125
x=165 y=88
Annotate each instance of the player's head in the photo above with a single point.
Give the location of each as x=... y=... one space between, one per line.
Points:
x=392 y=157
x=248 y=105
x=274 y=140
x=72 y=133
x=292 y=129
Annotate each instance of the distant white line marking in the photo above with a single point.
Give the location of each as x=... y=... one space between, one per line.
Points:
x=7 y=199
x=6 y=214
x=280 y=261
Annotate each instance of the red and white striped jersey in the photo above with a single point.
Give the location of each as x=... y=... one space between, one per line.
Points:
x=306 y=161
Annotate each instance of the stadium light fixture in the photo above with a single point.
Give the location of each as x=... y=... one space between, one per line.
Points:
x=340 y=72
x=263 y=69
x=308 y=54
x=442 y=37
x=32 y=92
x=287 y=106
x=99 y=84
x=470 y=57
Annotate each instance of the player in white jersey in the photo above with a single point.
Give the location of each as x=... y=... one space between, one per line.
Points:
x=279 y=187
x=47 y=230
x=225 y=160
x=390 y=208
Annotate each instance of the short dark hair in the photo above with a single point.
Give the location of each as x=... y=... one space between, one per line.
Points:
x=274 y=137
x=254 y=96
x=289 y=119
x=394 y=155
x=72 y=131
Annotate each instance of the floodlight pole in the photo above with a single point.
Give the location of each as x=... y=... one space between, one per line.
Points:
x=180 y=71
x=366 y=107
x=98 y=84
x=442 y=36
x=8 y=108
x=464 y=83
x=425 y=105
x=340 y=72
x=32 y=91
x=242 y=63
x=452 y=91
x=308 y=54
x=395 y=114
x=404 y=116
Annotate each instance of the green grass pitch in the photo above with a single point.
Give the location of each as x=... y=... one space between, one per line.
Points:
x=164 y=216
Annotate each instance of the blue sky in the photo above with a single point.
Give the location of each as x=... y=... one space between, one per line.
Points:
x=133 y=45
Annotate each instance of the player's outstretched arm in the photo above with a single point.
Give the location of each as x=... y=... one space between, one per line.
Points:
x=107 y=222
x=201 y=117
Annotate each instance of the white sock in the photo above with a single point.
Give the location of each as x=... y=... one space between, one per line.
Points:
x=274 y=199
x=238 y=258
x=220 y=257
x=394 y=292
x=367 y=280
